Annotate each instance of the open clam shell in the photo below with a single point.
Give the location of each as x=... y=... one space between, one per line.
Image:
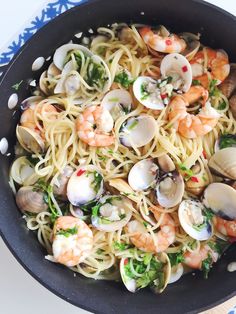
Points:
x=143 y=175
x=23 y=172
x=170 y=189
x=147 y=93
x=30 y=102
x=30 y=140
x=223 y=163
x=178 y=67
x=118 y=102
x=176 y=273
x=112 y=213
x=221 y=199
x=157 y=271
x=193 y=220
x=61 y=54
x=138 y=131
x=224 y=141
x=85 y=185
x=60 y=184
x=74 y=84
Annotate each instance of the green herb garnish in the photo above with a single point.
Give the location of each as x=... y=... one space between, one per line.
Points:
x=120 y=246
x=47 y=190
x=96 y=183
x=176 y=258
x=96 y=75
x=227 y=140
x=144 y=91
x=206 y=266
x=17 y=85
x=132 y=125
x=68 y=232
x=222 y=105
x=196 y=83
x=123 y=79
x=213 y=89
x=188 y=173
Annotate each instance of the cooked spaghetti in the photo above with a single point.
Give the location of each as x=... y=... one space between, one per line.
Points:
x=125 y=153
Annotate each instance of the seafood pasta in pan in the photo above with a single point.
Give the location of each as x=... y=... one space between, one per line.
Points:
x=125 y=162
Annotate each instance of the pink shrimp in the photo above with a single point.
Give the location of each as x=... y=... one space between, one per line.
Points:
x=165 y=44
x=144 y=240
x=28 y=116
x=194 y=259
x=189 y=125
x=72 y=241
x=93 y=126
x=217 y=64
x=226 y=227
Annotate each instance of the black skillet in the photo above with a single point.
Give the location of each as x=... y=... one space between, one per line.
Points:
x=191 y=293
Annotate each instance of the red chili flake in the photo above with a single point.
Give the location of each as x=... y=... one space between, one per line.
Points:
x=80 y=172
x=168 y=42
x=194 y=179
x=204 y=154
x=126 y=261
x=37 y=129
x=232 y=239
x=163 y=96
x=185 y=68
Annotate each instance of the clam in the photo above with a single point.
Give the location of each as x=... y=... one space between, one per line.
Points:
x=42 y=84
x=166 y=163
x=146 y=91
x=170 y=189
x=30 y=102
x=138 y=131
x=193 y=44
x=177 y=67
x=67 y=83
x=229 y=84
x=112 y=213
x=118 y=102
x=221 y=199
x=30 y=201
x=232 y=105
x=223 y=163
x=61 y=53
x=155 y=272
x=143 y=175
x=52 y=71
x=30 y=140
x=60 y=185
x=197 y=183
x=22 y=170
x=176 y=273
x=85 y=185
x=193 y=220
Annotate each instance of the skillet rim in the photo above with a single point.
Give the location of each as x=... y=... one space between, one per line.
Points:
x=8 y=67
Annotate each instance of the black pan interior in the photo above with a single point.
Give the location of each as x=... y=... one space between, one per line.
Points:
x=190 y=294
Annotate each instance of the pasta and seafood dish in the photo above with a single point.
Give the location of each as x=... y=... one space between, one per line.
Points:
x=125 y=162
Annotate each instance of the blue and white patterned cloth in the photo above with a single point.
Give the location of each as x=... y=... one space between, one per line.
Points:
x=232 y=311
x=48 y=13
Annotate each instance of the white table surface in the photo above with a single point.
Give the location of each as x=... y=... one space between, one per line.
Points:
x=19 y=292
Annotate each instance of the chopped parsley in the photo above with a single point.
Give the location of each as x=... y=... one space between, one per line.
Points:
x=206 y=266
x=154 y=276
x=227 y=140
x=144 y=91
x=208 y=213
x=88 y=206
x=213 y=89
x=47 y=190
x=218 y=246
x=188 y=173
x=222 y=105
x=32 y=160
x=97 y=180
x=68 y=232
x=17 y=85
x=196 y=83
x=133 y=125
x=123 y=79
x=176 y=258
x=96 y=75
x=120 y=246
